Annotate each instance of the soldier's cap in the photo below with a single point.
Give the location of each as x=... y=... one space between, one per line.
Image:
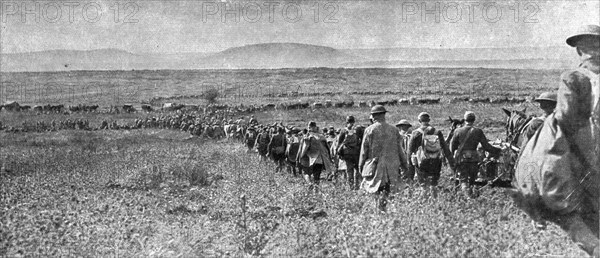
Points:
x=312 y=124
x=403 y=122
x=378 y=109
x=546 y=96
x=469 y=115
x=350 y=119
x=423 y=115
x=584 y=31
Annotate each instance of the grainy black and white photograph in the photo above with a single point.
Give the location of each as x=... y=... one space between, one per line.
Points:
x=316 y=128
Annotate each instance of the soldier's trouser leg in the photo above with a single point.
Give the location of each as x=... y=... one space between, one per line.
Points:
x=306 y=174
x=281 y=162
x=421 y=176
x=409 y=174
x=467 y=173
x=316 y=172
x=352 y=172
x=356 y=174
x=382 y=197
x=350 y=177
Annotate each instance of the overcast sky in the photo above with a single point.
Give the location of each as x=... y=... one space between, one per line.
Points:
x=174 y=26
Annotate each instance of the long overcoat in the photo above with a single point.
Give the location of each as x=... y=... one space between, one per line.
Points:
x=381 y=141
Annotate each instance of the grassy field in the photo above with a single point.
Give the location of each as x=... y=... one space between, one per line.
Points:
x=254 y=86
x=148 y=192
x=160 y=193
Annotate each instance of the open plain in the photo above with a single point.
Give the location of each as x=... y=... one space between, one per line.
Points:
x=160 y=192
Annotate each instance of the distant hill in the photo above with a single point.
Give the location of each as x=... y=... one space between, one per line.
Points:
x=278 y=55
x=291 y=55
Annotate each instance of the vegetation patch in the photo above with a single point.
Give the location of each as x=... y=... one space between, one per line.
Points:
x=187 y=198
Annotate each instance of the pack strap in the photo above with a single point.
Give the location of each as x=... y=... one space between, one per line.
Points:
x=423 y=136
x=462 y=144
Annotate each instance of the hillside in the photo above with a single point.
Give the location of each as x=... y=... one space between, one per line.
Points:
x=277 y=55
x=290 y=55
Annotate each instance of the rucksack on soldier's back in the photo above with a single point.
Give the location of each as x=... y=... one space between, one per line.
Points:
x=430 y=150
x=350 y=144
x=251 y=136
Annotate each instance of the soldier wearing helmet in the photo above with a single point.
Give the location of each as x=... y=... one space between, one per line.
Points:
x=381 y=157
x=348 y=150
x=464 y=147
x=564 y=185
x=547 y=102
x=313 y=155
x=427 y=148
x=403 y=127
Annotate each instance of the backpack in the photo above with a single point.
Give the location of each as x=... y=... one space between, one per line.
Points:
x=279 y=149
x=351 y=143
x=430 y=150
x=263 y=139
x=250 y=137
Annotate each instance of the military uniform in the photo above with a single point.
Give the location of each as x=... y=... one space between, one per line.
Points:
x=577 y=114
x=467 y=160
x=429 y=175
x=381 y=157
x=408 y=174
x=313 y=156
x=276 y=149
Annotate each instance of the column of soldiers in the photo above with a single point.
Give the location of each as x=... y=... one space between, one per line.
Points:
x=373 y=158
x=43 y=126
x=209 y=125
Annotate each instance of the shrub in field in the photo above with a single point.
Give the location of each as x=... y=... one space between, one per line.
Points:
x=145 y=178
x=210 y=95
x=191 y=172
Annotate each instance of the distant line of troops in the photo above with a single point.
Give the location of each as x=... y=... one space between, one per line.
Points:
x=211 y=126
x=42 y=126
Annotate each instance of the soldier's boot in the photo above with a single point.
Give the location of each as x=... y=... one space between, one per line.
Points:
x=539 y=225
x=293 y=170
x=466 y=189
x=382 y=202
x=308 y=179
x=356 y=185
x=434 y=192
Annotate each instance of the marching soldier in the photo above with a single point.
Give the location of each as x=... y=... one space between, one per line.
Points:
x=348 y=149
x=464 y=146
x=427 y=148
x=547 y=101
x=381 y=156
x=564 y=185
x=403 y=127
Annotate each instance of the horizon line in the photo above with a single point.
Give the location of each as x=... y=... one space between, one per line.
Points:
x=208 y=52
